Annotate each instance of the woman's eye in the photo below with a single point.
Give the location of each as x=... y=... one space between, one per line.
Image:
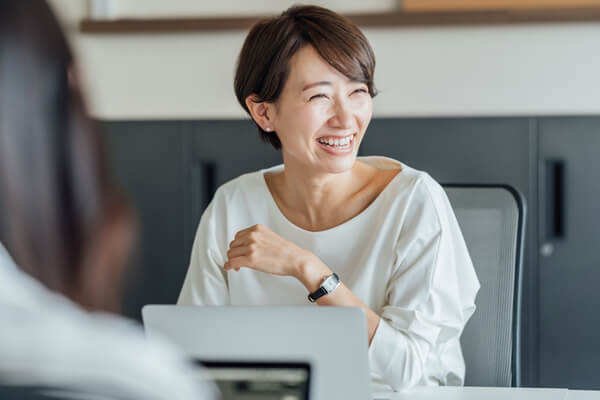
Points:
x=361 y=90
x=317 y=96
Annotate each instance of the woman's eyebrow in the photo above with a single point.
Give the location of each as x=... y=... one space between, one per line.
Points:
x=311 y=85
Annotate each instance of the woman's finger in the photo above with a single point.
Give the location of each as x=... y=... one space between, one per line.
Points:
x=242 y=241
x=237 y=251
x=249 y=229
x=237 y=263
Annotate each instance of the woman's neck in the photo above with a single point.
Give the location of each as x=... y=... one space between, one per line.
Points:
x=318 y=200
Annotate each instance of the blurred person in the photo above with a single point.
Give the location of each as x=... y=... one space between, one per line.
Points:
x=65 y=233
x=368 y=232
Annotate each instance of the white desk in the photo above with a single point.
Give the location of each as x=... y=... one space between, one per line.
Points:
x=583 y=395
x=488 y=393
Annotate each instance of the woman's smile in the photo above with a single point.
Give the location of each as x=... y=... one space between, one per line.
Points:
x=337 y=145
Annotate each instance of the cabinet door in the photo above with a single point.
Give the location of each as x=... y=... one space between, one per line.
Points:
x=569 y=262
x=145 y=160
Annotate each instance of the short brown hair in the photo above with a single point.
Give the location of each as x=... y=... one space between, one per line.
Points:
x=263 y=63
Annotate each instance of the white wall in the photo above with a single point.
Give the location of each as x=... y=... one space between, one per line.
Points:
x=429 y=71
x=162 y=8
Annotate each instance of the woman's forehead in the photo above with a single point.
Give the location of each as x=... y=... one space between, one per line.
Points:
x=307 y=67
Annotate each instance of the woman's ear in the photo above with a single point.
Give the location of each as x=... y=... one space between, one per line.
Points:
x=261 y=112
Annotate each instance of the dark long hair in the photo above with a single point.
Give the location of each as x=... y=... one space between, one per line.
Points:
x=54 y=187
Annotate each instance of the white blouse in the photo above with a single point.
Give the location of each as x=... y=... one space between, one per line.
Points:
x=404 y=256
x=46 y=340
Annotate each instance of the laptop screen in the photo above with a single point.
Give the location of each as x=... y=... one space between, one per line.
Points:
x=258 y=380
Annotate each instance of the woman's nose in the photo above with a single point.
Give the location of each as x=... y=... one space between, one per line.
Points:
x=342 y=117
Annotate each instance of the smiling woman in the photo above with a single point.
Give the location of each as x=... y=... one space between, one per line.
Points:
x=276 y=236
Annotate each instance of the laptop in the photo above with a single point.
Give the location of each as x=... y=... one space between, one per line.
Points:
x=323 y=348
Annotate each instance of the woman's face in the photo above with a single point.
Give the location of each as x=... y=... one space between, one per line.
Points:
x=321 y=115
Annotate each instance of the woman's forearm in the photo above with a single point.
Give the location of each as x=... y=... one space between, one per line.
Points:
x=311 y=273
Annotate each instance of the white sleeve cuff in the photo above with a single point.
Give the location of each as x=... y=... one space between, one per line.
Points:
x=394 y=359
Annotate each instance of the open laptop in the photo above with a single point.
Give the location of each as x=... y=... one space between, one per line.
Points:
x=328 y=343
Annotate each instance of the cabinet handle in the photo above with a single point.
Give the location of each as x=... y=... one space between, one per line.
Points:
x=555 y=199
x=209 y=171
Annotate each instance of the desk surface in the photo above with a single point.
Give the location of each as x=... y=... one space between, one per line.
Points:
x=488 y=393
x=583 y=395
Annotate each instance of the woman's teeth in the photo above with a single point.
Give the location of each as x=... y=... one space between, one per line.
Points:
x=337 y=142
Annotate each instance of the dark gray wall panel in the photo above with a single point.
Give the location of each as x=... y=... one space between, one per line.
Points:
x=569 y=275
x=233 y=146
x=146 y=161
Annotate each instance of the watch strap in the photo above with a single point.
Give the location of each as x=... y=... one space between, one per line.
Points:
x=322 y=291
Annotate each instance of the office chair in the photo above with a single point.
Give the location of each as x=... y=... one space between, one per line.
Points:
x=492 y=220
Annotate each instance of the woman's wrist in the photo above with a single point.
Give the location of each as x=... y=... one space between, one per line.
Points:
x=311 y=271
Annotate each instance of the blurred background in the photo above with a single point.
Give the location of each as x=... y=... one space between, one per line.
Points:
x=471 y=91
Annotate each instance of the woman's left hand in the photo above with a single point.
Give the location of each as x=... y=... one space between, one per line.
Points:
x=258 y=248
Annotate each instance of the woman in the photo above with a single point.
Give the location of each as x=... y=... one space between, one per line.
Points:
x=68 y=232
x=387 y=230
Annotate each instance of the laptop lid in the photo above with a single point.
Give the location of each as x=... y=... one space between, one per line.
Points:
x=332 y=340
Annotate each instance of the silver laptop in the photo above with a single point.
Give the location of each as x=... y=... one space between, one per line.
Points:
x=330 y=341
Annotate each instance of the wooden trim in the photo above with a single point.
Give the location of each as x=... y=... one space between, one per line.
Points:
x=391 y=19
x=472 y=5
x=162 y=25
x=494 y=17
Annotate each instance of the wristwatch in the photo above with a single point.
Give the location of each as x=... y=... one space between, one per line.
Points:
x=328 y=285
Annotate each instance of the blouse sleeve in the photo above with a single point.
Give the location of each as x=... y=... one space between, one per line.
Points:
x=206 y=281
x=429 y=297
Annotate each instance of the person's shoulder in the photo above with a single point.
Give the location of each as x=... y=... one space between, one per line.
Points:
x=427 y=187
x=246 y=187
x=70 y=345
x=418 y=183
x=146 y=358
x=429 y=199
x=415 y=192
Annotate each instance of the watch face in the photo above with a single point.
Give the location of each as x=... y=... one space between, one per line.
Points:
x=330 y=283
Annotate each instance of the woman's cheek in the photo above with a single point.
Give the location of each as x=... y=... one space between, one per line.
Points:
x=365 y=111
x=317 y=114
